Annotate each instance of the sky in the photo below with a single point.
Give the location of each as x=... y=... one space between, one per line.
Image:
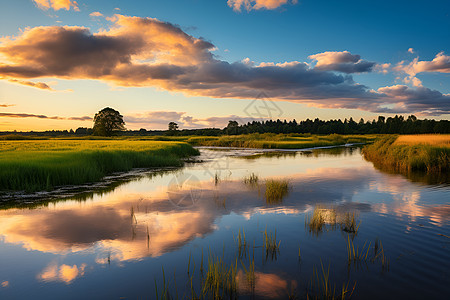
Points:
x=201 y=63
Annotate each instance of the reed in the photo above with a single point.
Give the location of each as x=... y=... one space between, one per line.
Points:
x=251 y=180
x=276 y=190
x=220 y=279
x=242 y=244
x=271 y=246
x=320 y=218
x=321 y=286
x=349 y=224
x=356 y=254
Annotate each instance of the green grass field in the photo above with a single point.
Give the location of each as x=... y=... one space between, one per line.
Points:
x=35 y=165
x=410 y=153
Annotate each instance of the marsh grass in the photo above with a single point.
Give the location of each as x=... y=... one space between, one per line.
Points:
x=321 y=286
x=276 y=190
x=321 y=217
x=349 y=223
x=357 y=256
x=251 y=180
x=45 y=164
x=278 y=141
x=249 y=272
x=408 y=156
x=271 y=246
x=439 y=140
x=221 y=279
x=242 y=244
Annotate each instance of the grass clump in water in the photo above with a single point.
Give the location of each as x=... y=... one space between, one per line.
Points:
x=276 y=190
x=349 y=224
x=220 y=279
x=322 y=288
x=251 y=180
x=320 y=218
x=271 y=246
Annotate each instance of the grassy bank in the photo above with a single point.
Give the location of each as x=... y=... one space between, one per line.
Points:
x=276 y=141
x=45 y=164
x=428 y=153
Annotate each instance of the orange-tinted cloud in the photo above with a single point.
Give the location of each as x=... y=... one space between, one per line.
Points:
x=57 y=4
x=64 y=273
x=342 y=61
x=39 y=85
x=248 y=5
x=23 y=115
x=439 y=64
x=96 y=14
x=147 y=52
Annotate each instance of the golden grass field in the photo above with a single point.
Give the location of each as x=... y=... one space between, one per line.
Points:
x=439 y=140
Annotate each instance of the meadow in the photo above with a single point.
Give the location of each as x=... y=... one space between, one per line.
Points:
x=36 y=165
x=430 y=153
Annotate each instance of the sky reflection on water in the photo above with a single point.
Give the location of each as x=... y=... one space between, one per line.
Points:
x=127 y=234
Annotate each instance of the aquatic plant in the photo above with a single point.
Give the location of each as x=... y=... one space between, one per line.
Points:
x=251 y=180
x=271 y=246
x=220 y=279
x=321 y=286
x=320 y=218
x=349 y=224
x=276 y=190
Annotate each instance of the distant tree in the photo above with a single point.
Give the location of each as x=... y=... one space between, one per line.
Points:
x=107 y=121
x=232 y=127
x=173 y=126
x=173 y=129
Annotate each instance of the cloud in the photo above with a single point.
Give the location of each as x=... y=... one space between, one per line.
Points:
x=39 y=85
x=24 y=115
x=382 y=68
x=411 y=50
x=57 y=4
x=341 y=61
x=440 y=64
x=237 y=5
x=147 y=52
x=6 y=105
x=421 y=99
x=96 y=14
x=64 y=273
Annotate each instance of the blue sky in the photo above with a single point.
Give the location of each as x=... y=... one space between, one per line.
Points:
x=380 y=32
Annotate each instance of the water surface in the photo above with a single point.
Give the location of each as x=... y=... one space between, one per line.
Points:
x=116 y=242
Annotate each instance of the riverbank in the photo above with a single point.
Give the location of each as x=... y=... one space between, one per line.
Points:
x=429 y=153
x=45 y=164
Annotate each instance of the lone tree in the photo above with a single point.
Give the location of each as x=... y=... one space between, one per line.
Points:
x=173 y=127
x=107 y=121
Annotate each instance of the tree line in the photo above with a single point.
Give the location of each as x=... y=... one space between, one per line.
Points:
x=109 y=122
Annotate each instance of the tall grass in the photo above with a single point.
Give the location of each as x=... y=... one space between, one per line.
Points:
x=439 y=140
x=321 y=286
x=44 y=165
x=271 y=245
x=220 y=280
x=276 y=190
x=387 y=153
x=279 y=141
